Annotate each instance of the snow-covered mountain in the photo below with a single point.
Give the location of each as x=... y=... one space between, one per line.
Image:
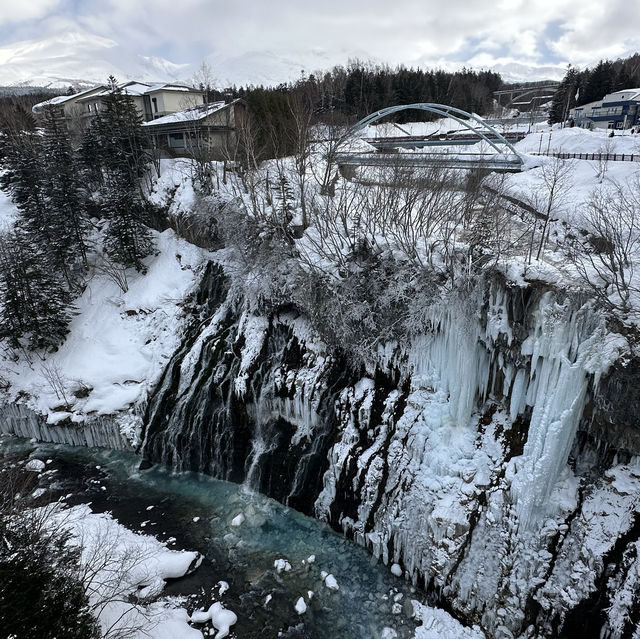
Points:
x=79 y=58
x=516 y=72
x=270 y=68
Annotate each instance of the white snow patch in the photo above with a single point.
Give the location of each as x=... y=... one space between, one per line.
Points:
x=130 y=564
x=282 y=564
x=36 y=465
x=238 y=520
x=331 y=583
x=119 y=343
x=438 y=624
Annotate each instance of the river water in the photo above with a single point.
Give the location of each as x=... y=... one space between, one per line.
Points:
x=196 y=511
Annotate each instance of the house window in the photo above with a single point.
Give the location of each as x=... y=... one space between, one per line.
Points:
x=176 y=141
x=155 y=104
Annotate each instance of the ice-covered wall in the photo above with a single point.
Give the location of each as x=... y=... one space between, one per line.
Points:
x=454 y=455
x=106 y=432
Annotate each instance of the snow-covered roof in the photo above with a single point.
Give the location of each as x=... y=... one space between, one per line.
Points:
x=623 y=94
x=131 y=88
x=172 y=87
x=142 y=88
x=193 y=114
x=61 y=99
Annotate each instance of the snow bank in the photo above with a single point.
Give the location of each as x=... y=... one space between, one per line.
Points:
x=8 y=212
x=437 y=624
x=221 y=619
x=119 y=342
x=121 y=563
x=577 y=140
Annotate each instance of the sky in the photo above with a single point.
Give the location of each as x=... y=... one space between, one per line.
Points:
x=429 y=33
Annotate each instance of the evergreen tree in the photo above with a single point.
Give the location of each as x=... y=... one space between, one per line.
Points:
x=564 y=97
x=24 y=167
x=114 y=149
x=35 y=305
x=623 y=80
x=66 y=200
x=41 y=593
x=127 y=239
x=598 y=83
x=42 y=178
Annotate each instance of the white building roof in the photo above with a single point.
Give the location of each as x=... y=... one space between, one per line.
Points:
x=130 y=88
x=61 y=99
x=193 y=114
x=623 y=95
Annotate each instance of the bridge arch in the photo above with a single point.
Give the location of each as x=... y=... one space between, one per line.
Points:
x=442 y=110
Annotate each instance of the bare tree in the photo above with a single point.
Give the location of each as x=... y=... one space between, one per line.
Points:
x=602 y=163
x=549 y=198
x=116 y=272
x=605 y=259
x=52 y=373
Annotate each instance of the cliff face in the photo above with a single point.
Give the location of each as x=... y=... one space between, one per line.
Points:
x=492 y=457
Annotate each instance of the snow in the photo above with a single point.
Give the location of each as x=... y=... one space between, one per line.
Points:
x=119 y=342
x=193 y=114
x=396 y=570
x=300 y=606
x=577 y=140
x=282 y=564
x=221 y=618
x=8 y=212
x=122 y=564
x=437 y=624
x=36 y=465
x=331 y=583
x=238 y=520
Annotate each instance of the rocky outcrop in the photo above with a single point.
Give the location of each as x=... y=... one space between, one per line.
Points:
x=477 y=456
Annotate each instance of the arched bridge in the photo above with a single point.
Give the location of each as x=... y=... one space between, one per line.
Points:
x=475 y=130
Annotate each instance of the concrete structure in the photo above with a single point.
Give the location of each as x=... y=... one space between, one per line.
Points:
x=526 y=96
x=617 y=110
x=205 y=131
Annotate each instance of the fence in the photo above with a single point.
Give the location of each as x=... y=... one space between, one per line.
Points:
x=612 y=157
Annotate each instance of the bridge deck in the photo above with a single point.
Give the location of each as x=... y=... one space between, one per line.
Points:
x=451 y=138
x=496 y=162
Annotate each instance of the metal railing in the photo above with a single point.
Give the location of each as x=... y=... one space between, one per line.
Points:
x=607 y=157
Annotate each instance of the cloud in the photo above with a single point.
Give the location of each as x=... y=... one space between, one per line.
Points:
x=14 y=11
x=428 y=32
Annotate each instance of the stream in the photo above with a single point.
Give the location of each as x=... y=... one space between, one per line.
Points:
x=195 y=512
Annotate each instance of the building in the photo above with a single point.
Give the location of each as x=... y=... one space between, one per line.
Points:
x=207 y=130
x=617 y=110
x=151 y=100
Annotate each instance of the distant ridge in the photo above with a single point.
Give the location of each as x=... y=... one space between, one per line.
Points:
x=79 y=59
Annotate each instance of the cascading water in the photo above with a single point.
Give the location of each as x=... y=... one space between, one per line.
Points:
x=448 y=457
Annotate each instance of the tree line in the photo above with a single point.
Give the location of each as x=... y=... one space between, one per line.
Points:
x=344 y=95
x=69 y=200
x=591 y=84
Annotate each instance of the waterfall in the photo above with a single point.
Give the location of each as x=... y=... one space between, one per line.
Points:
x=449 y=456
